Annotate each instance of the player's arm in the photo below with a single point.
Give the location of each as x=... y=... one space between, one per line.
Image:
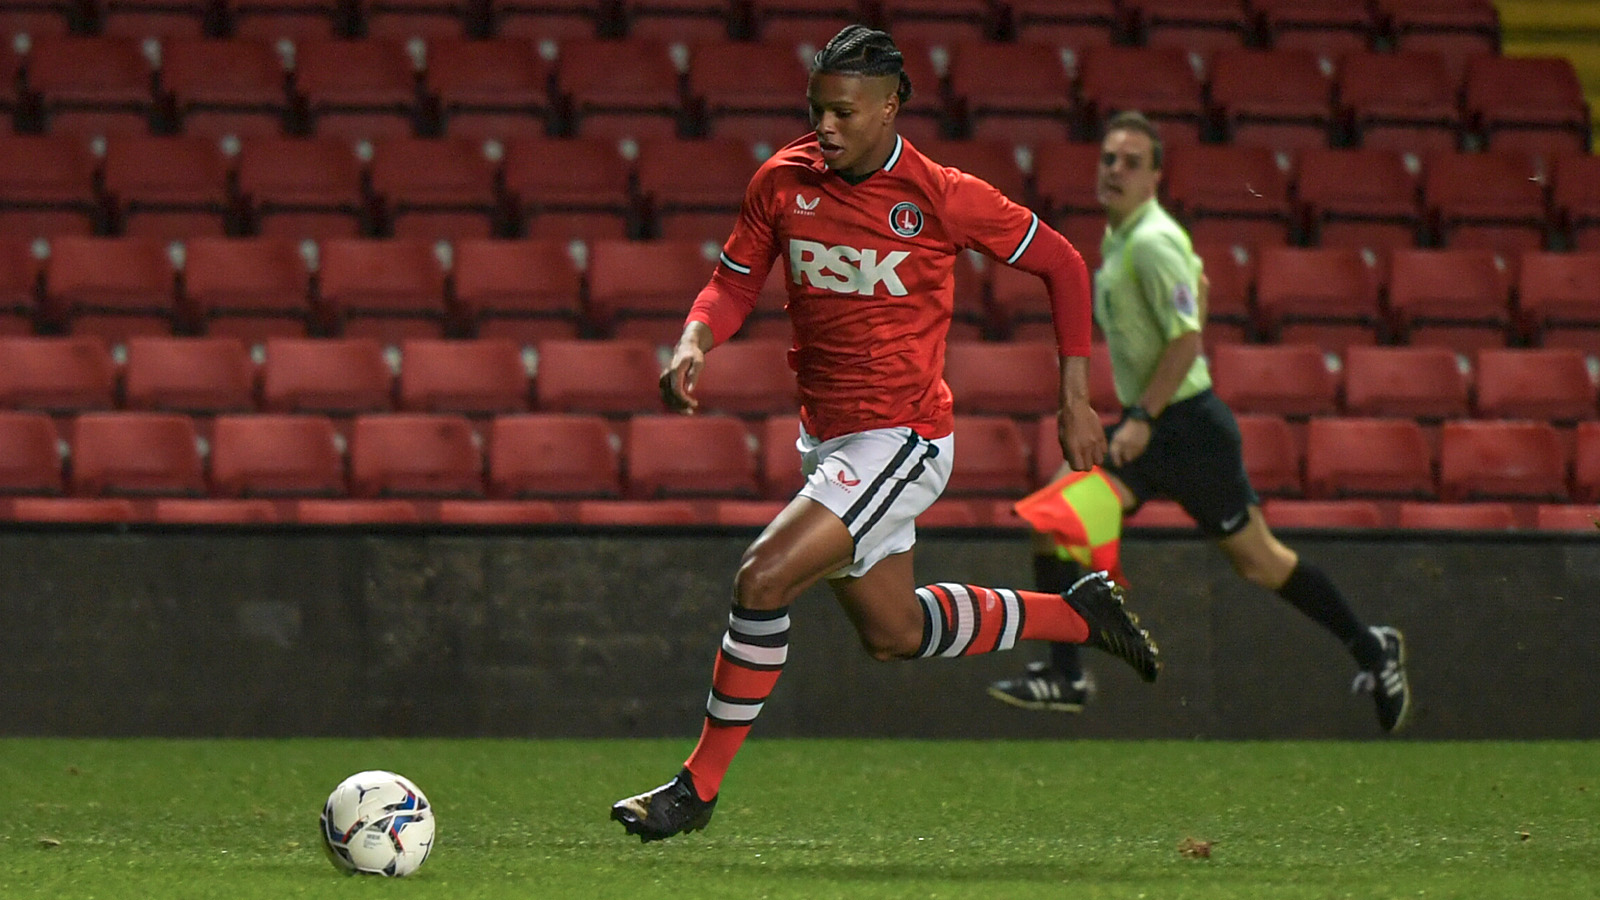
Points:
x=1174 y=297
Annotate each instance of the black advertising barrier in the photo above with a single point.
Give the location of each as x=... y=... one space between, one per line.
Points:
x=551 y=633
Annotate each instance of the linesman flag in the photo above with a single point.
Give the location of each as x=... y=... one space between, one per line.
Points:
x=1082 y=513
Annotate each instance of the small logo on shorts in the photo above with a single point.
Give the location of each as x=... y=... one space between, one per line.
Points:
x=905 y=219
x=844 y=480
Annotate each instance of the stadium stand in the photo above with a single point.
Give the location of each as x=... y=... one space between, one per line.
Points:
x=414 y=455
x=356 y=89
x=195 y=375
x=1501 y=460
x=436 y=188
x=553 y=455
x=390 y=289
x=748 y=378
x=1325 y=296
x=135 y=453
x=1552 y=384
x=524 y=291
x=1399 y=101
x=1284 y=379
x=612 y=377
x=1489 y=516
x=474 y=377
x=224 y=86
x=689 y=456
x=302 y=187
x=335 y=376
x=249 y=288
x=1280 y=99
x=748 y=89
x=1329 y=28
x=213 y=511
x=1453 y=298
x=1273 y=456
x=994 y=457
x=47 y=185
x=626 y=88
x=56 y=374
x=489 y=88
x=276 y=456
x=1361 y=197
x=167 y=187
x=90 y=84
x=1013 y=92
x=1425 y=383
x=1367 y=457
x=569 y=187
x=111 y=287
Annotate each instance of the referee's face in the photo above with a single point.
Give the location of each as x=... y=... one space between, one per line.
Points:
x=854 y=119
x=1127 y=177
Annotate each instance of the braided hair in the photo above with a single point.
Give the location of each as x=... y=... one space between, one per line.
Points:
x=859 y=50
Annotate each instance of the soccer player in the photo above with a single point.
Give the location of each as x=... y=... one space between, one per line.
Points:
x=868 y=230
x=1176 y=439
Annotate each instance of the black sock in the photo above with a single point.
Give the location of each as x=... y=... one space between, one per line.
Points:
x=1054 y=575
x=1309 y=590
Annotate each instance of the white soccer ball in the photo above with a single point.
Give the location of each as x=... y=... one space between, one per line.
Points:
x=377 y=823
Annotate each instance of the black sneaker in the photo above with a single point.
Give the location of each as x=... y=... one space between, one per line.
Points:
x=1388 y=685
x=673 y=808
x=1111 y=627
x=1044 y=688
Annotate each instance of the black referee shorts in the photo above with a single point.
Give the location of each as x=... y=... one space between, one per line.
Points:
x=1195 y=457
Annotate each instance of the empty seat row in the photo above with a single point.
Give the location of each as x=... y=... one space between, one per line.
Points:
x=556 y=456
x=644 y=88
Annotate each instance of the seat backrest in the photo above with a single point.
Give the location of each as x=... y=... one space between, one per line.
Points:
x=388 y=275
x=189 y=374
x=1586 y=463
x=1446 y=285
x=669 y=455
x=56 y=374
x=1499 y=459
x=497 y=72
x=325 y=375
x=748 y=377
x=1548 y=383
x=1284 y=379
x=1019 y=378
x=173 y=170
x=1491 y=185
x=1280 y=81
x=780 y=457
x=607 y=74
x=276 y=455
x=646 y=277
x=472 y=377
x=125 y=274
x=369 y=72
x=313 y=171
x=705 y=174
x=554 y=455
x=414 y=454
x=1367 y=457
x=568 y=173
x=30 y=456
x=261 y=274
x=1422 y=382
x=1366 y=182
x=1560 y=287
x=499 y=277
x=1273 y=457
x=612 y=377
x=1322 y=283
x=1228 y=180
x=992 y=459
x=135 y=453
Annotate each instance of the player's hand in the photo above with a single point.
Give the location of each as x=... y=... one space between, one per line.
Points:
x=678 y=381
x=1129 y=441
x=1083 y=439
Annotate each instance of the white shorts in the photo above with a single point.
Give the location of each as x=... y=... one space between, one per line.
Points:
x=877 y=482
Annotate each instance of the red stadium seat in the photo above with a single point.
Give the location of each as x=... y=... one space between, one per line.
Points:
x=612 y=377
x=489 y=88
x=390 y=289
x=1527 y=103
x=676 y=456
x=637 y=512
x=1416 y=382
x=1327 y=27
x=1504 y=460
x=1274 y=98
x=1551 y=383
x=111 y=287
x=689 y=179
x=1064 y=176
x=1455 y=298
x=91 y=84
x=30 y=455
x=1457 y=516
x=135 y=453
x=1493 y=199
x=812 y=21
x=1301 y=292
x=168 y=187
x=1195 y=25
x=644 y=289
x=278 y=19
x=748 y=377
x=678 y=19
x=72 y=509
x=250 y=288
x=633 y=83
x=338 y=376
x=1159 y=81
x=1015 y=378
x=357 y=89
x=745 y=88
x=995 y=161
x=21 y=267
x=1020 y=91
x=546 y=19
x=1401 y=101
x=211 y=511
x=46 y=185
x=1230 y=182
x=554 y=455
x=1273 y=456
x=1565 y=517
x=499 y=512
x=1283 y=379
x=276 y=456
x=1388 y=457
x=302 y=187
x=943 y=20
x=385 y=511
x=1231 y=270
x=585 y=177
x=1575 y=198
x=56 y=374
x=478 y=377
x=1459 y=29
x=1066 y=23
x=1284 y=513
x=219 y=86
x=780 y=457
x=147 y=18
x=991 y=458
x=1338 y=189
x=522 y=290
x=189 y=374
x=436 y=187
x=403 y=454
x=1586 y=463
x=1557 y=292
x=406 y=19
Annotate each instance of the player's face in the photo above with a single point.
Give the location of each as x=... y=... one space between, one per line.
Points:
x=854 y=119
x=1127 y=176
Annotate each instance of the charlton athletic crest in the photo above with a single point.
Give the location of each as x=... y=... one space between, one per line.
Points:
x=905 y=219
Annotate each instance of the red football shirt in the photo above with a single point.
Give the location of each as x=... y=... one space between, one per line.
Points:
x=869 y=276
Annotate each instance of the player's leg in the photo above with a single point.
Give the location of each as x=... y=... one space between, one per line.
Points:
x=1260 y=558
x=804 y=543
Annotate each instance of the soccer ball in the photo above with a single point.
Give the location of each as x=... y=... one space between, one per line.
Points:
x=377 y=823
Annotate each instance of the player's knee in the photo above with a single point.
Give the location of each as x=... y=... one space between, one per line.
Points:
x=758 y=584
x=888 y=645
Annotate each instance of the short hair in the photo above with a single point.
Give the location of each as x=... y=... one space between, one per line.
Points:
x=859 y=50
x=1133 y=120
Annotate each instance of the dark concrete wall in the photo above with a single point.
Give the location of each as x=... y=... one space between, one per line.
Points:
x=612 y=634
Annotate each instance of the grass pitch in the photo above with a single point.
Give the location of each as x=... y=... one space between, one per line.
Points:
x=862 y=820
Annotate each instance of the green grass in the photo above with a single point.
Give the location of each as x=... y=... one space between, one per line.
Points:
x=820 y=819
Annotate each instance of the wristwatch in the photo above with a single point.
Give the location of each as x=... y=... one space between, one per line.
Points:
x=1137 y=413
